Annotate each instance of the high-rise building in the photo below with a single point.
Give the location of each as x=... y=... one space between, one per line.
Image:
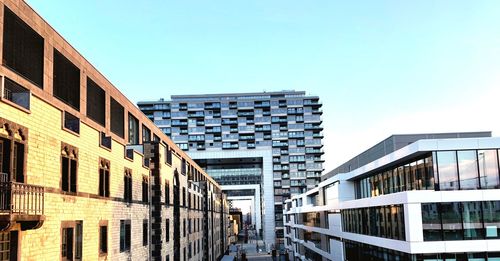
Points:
x=265 y=146
x=84 y=175
x=410 y=197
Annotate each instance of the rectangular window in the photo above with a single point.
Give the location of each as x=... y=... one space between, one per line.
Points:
x=117 y=118
x=146 y=134
x=66 y=80
x=491 y=215
x=145 y=232
x=133 y=130
x=447 y=169
x=103 y=239
x=71 y=240
x=105 y=141
x=471 y=221
x=22 y=48
x=468 y=169
x=71 y=122
x=167 y=229
x=145 y=189
x=104 y=177
x=168 y=157
x=125 y=235
x=167 y=192
x=183 y=196
x=69 y=167
x=452 y=220
x=16 y=93
x=127 y=185
x=96 y=102
x=488 y=169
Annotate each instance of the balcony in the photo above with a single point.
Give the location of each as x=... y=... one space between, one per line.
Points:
x=20 y=203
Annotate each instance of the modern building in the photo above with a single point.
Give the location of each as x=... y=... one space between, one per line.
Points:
x=423 y=197
x=84 y=175
x=266 y=146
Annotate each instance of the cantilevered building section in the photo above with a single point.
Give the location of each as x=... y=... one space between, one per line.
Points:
x=435 y=198
x=84 y=175
x=264 y=145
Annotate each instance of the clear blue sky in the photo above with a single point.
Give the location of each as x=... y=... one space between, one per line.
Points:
x=379 y=67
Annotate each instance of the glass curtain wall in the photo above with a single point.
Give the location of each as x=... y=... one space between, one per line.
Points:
x=443 y=170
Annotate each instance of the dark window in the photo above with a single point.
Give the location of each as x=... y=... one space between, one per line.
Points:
x=491 y=214
x=103 y=239
x=452 y=220
x=12 y=157
x=472 y=223
x=104 y=178
x=96 y=102
x=125 y=235
x=71 y=122
x=167 y=229
x=168 y=157
x=146 y=134
x=71 y=240
x=133 y=130
x=127 y=183
x=69 y=163
x=184 y=227
x=22 y=48
x=183 y=196
x=105 y=140
x=16 y=93
x=117 y=115
x=167 y=192
x=66 y=82
x=145 y=232
x=145 y=189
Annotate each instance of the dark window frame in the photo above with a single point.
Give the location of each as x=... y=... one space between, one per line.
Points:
x=66 y=80
x=69 y=175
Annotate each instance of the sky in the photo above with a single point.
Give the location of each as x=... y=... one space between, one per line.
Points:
x=379 y=67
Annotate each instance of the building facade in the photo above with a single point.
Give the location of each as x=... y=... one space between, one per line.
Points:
x=432 y=199
x=84 y=175
x=242 y=127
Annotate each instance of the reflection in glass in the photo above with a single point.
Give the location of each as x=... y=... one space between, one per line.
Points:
x=491 y=215
x=431 y=222
x=467 y=169
x=452 y=221
x=447 y=169
x=473 y=226
x=488 y=168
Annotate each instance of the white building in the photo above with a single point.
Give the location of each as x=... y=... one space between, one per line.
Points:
x=432 y=199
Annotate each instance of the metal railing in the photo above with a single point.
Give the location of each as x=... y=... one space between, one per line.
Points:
x=20 y=198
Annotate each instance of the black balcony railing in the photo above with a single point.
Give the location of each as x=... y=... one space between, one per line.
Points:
x=20 y=198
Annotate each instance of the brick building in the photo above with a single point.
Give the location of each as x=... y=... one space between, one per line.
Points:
x=84 y=175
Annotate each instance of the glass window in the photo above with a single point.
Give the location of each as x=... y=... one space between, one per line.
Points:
x=473 y=226
x=447 y=169
x=491 y=215
x=431 y=222
x=488 y=168
x=429 y=174
x=467 y=169
x=133 y=130
x=452 y=220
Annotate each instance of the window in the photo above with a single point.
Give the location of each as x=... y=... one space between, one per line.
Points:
x=117 y=115
x=184 y=167
x=491 y=214
x=12 y=156
x=69 y=167
x=167 y=229
x=167 y=192
x=71 y=122
x=183 y=196
x=105 y=141
x=96 y=102
x=145 y=232
x=447 y=168
x=127 y=185
x=133 y=130
x=22 y=48
x=104 y=177
x=145 y=189
x=468 y=169
x=71 y=240
x=146 y=134
x=125 y=235
x=184 y=227
x=66 y=81
x=168 y=155
x=488 y=169
x=16 y=93
x=103 y=238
